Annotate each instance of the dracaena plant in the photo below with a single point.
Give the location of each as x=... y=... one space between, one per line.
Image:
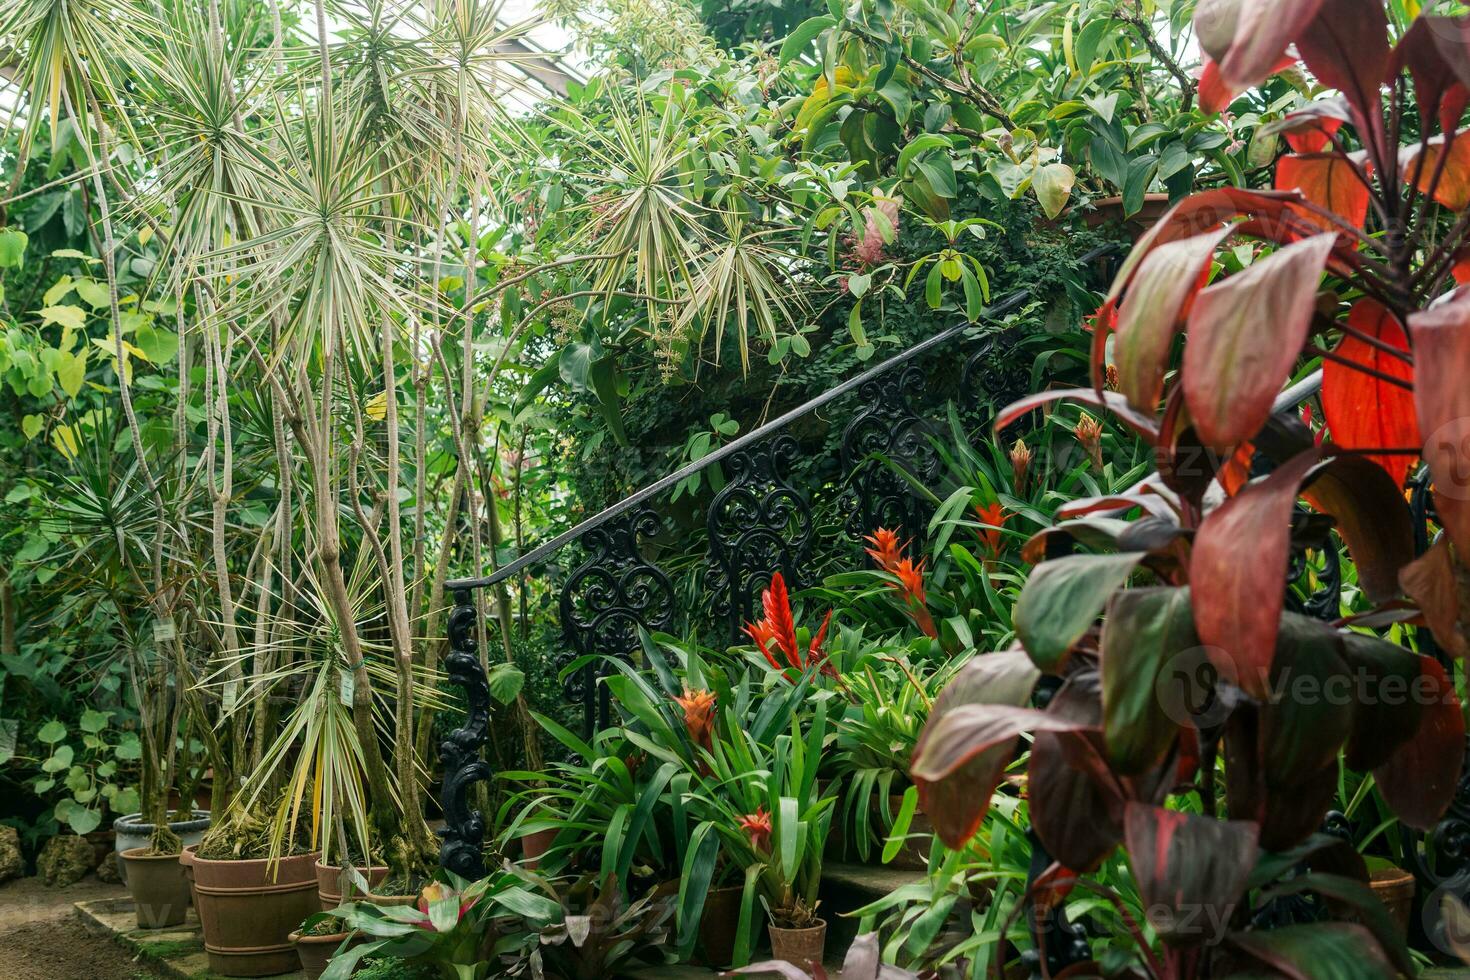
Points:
x=1349 y=260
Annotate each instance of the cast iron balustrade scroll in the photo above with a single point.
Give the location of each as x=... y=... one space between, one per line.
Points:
x=758 y=524
x=604 y=603
x=888 y=426
x=464 y=832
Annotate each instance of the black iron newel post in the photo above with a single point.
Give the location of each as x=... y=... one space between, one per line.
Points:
x=464 y=831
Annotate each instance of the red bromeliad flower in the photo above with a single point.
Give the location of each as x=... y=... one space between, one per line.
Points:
x=758 y=826
x=994 y=515
x=778 y=628
x=699 y=716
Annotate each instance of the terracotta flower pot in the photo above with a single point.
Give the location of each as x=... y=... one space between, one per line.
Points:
x=160 y=890
x=384 y=900
x=1395 y=889
x=248 y=910
x=800 y=947
x=719 y=924
x=328 y=883
x=536 y=844
x=315 y=952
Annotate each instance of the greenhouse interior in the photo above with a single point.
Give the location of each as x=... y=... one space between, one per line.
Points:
x=808 y=489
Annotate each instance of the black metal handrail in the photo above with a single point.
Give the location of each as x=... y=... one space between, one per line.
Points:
x=1007 y=304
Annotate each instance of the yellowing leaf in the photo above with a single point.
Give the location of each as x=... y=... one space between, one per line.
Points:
x=1053 y=186
x=58 y=291
x=377 y=407
x=70 y=317
x=65 y=441
x=145 y=234
x=31 y=425
x=72 y=371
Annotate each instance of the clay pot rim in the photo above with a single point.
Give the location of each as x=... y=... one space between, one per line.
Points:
x=139 y=854
x=336 y=937
x=821 y=924
x=133 y=823
x=283 y=859
x=359 y=867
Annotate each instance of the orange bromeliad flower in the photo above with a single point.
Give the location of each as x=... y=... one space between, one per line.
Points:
x=994 y=515
x=887 y=554
x=910 y=585
x=699 y=716
x=778 y=629
x=886 y=551
x=758 y=826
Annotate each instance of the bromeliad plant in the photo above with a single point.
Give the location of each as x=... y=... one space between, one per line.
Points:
x=1196 y=670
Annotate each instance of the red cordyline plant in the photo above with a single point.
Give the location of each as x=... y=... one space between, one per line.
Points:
x=1352 y=260
x=777 y=629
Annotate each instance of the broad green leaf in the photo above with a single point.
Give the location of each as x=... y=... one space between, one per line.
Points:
x=1145 y=630
x=1063 y=598
x=12 y=248
x=93 y=293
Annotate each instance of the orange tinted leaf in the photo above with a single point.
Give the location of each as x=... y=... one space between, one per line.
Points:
x=1419 y=781
x=1328 y=180
x=1452 y=186
x=1364 y=412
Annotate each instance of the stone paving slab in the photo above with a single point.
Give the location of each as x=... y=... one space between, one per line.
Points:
x=179 y=951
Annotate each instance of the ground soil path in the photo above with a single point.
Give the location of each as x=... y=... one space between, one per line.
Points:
x=41 y=939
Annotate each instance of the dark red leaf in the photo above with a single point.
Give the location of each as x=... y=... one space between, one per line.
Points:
x=1441 y=337
x=1309 y=715
x=1389 y=715
x=1244 y=336
x=961 y=757
x=1419 y=781
x=1238 y=591
x=1346 y=46
x=1320 y=951
x=1076 y=804
x=1364 y=411
x=1200 y=213
x=1438 y=84
x=1371 y=518
x=1156 y=304
x=1110 y=400
x=1191 y=870
x=1430 y=580
x=1259 y=33
x=1328 y=180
